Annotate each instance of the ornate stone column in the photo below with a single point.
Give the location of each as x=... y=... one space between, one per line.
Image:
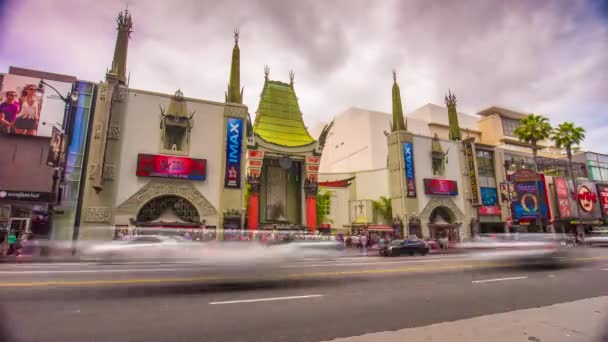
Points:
x=253 y=202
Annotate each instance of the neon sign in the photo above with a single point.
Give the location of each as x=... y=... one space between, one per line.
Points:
x=152 y=165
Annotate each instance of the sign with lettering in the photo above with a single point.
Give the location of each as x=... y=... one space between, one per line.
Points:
x=489 y=210
x=234 y=138
x=469 y=151
x=410 y=179
x=603 y=191
x=440 y=187
x=587 y=200
x=28 y=196
x=562 y=194
x=153 y=165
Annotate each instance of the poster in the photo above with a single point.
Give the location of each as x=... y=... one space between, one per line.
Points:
x=469 y=152
x=24 y=109
x=527 y=203
x=562 y=194
x=52 y=159
x=234 y=145
x=410 y=177
x=602 y=189
x=489 y=196
x=504 y=192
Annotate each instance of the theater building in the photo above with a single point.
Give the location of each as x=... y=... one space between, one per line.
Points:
x=162 y=160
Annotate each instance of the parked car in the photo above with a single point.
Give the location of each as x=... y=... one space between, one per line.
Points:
x=405 y=247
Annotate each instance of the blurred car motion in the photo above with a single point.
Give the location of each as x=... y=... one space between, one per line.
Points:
x=522 y=247
x=405 y=247
x=598 y=238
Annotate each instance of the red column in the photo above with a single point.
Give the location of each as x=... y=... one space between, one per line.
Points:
x=253 y=210
x=311 y=213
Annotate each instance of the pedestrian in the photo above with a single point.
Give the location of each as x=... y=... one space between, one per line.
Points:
x=364 y=241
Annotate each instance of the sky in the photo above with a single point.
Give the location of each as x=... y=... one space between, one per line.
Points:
x=536 y=56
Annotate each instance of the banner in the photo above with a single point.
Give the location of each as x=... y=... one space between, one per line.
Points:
x=52 y=158
x=234 y=145
x=152 y=165
x=30 y=196
x=603 y=191
x=489 y=210
x=562 y=194
x=408 y=157
x=527 y=204
x=440 y=187
x=469 y=152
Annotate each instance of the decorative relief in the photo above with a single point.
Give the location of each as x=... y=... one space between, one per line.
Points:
x=98 y=214
x=108 y=172
x=92 y=170
x=120 y=93
x=161 y=188
x=441 y=202
x=103 y=91
x=114 y=133
x=98 y=129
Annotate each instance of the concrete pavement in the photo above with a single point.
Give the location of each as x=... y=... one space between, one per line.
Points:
x=579 y=321
x=314 y=300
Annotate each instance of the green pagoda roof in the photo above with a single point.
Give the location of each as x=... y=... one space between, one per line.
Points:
x=279 y=119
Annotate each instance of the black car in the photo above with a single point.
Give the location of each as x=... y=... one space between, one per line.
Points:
x=405 y=247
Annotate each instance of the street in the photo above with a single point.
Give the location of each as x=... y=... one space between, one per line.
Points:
x=312 y=300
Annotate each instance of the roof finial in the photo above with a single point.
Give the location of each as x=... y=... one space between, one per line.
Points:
x=395 y=75
x=450 y=99
x=236 y=35
x=291 y=77
x=266 y=71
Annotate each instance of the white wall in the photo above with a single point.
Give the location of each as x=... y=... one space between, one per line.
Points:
x=338 y=206
x=141 y=133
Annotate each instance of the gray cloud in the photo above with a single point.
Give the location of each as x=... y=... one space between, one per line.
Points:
x=548 y=57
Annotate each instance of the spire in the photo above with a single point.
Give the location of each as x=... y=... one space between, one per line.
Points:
x=291 y=77
x=266 y=73
x=119 y=63
x=398 y=123
x=235 y=92
x=450 y=102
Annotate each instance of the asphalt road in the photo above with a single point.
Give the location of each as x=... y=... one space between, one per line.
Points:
x=313 y=300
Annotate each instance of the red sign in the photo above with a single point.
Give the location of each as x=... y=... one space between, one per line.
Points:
x=256 y=154
x=493 y=210
x=312 y=160
x=586 y=198
x=152 y=165
x=603 y=190
x=440 y=187
x=563 y=197
x=312 y=168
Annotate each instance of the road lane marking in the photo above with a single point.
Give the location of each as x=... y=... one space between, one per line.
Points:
x=497 y=279
x=551 y=276
x=127 y=270
x=604 y=269
x=272 y=299
x=373 y=263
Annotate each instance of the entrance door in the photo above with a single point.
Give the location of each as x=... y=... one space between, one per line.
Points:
x=19 y=226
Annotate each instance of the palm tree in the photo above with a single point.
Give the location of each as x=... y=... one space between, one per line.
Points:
x=568 y=137
x=534 y=128
x=384 y=209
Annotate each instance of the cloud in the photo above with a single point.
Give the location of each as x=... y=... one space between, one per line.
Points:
x=547 y=57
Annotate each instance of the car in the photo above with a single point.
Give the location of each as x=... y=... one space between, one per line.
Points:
x=405 y=247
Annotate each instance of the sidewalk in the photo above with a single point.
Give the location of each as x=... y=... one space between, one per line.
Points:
x=583 y=320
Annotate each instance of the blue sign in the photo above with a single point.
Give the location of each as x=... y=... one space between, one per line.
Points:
x=489 y=196
x=234 y=138
x=408 y=157
x=530 y=201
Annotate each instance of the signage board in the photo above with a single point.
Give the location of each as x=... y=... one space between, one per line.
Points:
x=234 y=138
x=469 y=151
x=587 y=200
x=492 y=210
x=29 y=196
x=440 y=187
x=602 y=189
x=562 y=194
x=410 y=175
x=153 y=165
x=489 y=196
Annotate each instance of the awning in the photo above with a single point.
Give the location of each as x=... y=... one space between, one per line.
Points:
x=342 y=183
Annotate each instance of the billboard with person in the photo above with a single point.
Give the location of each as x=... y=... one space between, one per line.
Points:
x=27 y=110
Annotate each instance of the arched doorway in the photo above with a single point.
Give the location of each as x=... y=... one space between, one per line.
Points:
x=442 y=224
x=168 y=215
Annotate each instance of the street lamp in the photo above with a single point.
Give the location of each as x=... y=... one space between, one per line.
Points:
x=70 y=98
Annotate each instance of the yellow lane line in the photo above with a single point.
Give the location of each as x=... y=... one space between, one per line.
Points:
x=433 y=267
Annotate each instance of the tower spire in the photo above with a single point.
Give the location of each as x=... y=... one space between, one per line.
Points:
x=119 y=63
x=450 y=102
x=399 y=123
x=234 y=93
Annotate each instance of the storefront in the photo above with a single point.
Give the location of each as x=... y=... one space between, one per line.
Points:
x=22 y=214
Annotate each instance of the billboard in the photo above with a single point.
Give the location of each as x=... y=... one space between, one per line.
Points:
x=234 y=145
x=469 y=151
x=602 y=189
x=440 y=187
x=489 y=196
x=562 y=194
x=410 y=179
x=152 y=165
x=24 y=110
x=588 y=202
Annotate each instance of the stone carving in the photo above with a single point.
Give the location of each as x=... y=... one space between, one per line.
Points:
x=120 y=93
x=441 y=202
x=92 y=171
x=98 y=214
x=103 y=91
x=114 y=133
x=157 y=188
x=108 y=172
x=98 y=129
